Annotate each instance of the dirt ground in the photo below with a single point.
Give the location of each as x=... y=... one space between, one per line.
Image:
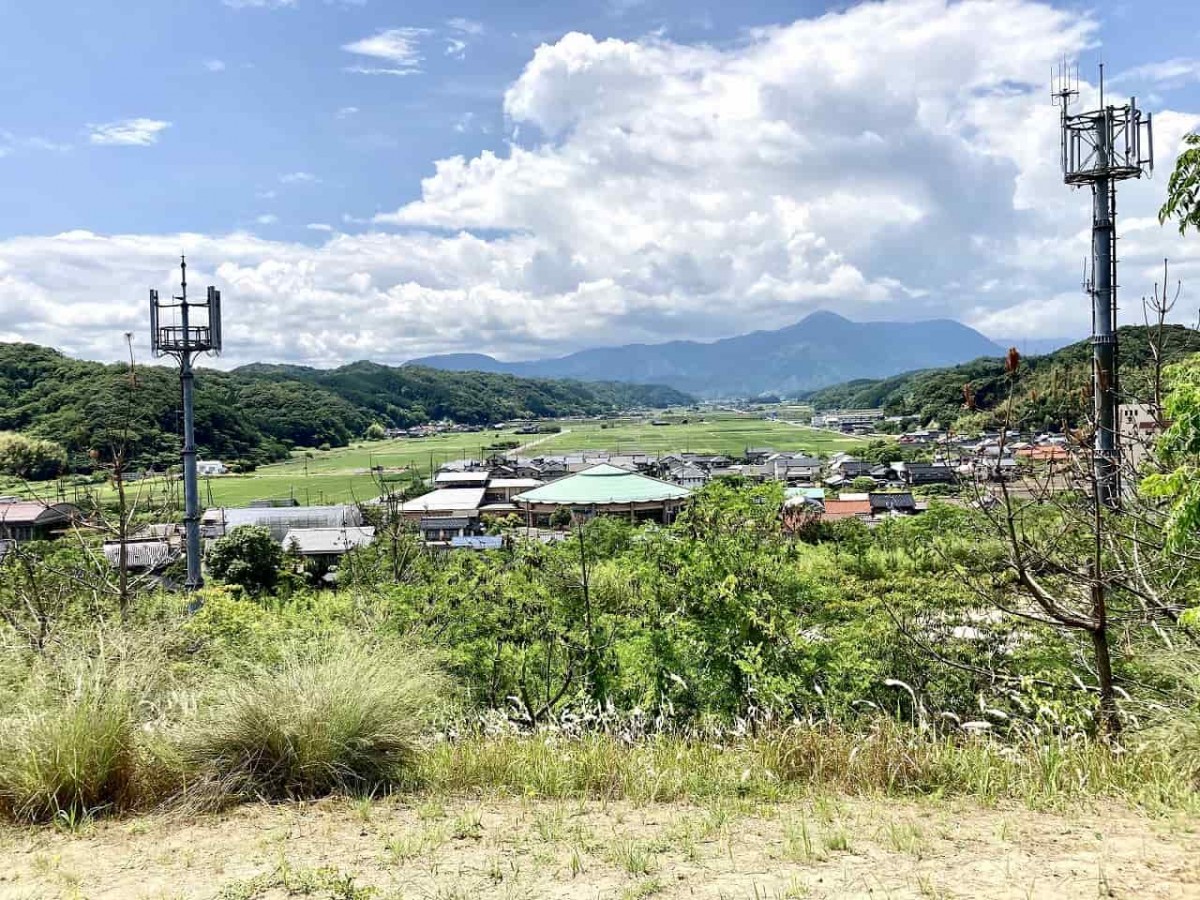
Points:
x=396 y=848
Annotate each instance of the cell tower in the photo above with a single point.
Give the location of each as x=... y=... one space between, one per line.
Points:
x=1100 y=148
x=194 y=328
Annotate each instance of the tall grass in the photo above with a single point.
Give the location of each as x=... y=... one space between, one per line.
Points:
x=69 y=757
x=347 y=719
x=885 y=759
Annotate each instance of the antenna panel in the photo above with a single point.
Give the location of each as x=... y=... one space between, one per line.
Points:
x=154 y=323
x=214 y=317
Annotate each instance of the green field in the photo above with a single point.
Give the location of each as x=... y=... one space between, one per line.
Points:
x=344 y=474
x=725 y=433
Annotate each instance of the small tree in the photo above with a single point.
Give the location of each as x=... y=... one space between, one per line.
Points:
x=561 y=518
x=375 y=432
x=29 y=458
x=862 y=484
x=1183 y=189
x=248 y=556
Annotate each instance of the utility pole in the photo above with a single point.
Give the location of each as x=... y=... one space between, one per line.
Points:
x=195 y=328
x=1100 y=148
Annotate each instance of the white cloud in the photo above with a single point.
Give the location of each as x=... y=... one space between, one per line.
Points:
x=399 y=47
x=318 y=226
x=1171 y=73
x=298 y=178
x=128 y=133
x=267 y=219
x=215 y=65
x=896 y=160
x=462 y=32
x=346 y=112
x=466 y=26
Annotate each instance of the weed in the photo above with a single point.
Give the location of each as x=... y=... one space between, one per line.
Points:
x=633 y=857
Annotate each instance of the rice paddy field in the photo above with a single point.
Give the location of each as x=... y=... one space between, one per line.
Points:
x=345 y=474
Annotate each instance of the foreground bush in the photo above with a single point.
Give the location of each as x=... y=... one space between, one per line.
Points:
x=69 y=757
x=347 y=719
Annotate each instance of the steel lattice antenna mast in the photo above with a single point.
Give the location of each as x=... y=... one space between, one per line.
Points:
x=1100 y=148
x=197 y=330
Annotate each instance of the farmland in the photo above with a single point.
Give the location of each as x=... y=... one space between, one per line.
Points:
x=344 y=473
x=725 y=433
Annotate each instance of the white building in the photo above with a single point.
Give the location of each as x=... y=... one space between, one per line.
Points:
x=1138 y=429
x=210 y=467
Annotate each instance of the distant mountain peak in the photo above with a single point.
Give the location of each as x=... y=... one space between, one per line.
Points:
x=821 y=349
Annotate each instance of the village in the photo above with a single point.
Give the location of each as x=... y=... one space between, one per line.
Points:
x=480 y=504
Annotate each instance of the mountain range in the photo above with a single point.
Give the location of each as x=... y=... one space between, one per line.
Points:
x=822 y=349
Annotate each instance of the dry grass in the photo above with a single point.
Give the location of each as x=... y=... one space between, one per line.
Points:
x=884 y=759
x=347 y=720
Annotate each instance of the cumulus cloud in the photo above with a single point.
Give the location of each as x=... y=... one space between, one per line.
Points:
x=267 y=219
x=663 y=190
x=1171 y=73
x=128 y=133
x=399 y=48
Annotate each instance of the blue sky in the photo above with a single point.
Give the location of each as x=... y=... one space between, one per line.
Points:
x=384 y=180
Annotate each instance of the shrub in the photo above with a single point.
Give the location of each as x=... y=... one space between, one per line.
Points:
x=346 y=719
x=69 y=757
x=247 y=556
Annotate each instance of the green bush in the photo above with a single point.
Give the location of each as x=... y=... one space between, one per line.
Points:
x=69 y=758
x=346 y=719
x=248 y=556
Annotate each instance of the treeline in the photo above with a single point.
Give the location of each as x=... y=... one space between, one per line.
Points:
x=1054 y=392
x=256 y=414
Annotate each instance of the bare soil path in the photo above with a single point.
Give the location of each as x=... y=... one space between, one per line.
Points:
x=396 y=848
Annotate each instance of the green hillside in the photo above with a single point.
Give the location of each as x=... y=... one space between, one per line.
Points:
x=258 y=413
x=1054 y=390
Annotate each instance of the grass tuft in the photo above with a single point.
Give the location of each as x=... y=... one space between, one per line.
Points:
x=347 y=720
x=67 y=758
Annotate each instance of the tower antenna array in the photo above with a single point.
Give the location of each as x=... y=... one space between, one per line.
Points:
x=1099 y=148
x=183 y=329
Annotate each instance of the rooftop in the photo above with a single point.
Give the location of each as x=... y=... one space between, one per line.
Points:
x=603 y=484
x=321 y=541
x=446 y=498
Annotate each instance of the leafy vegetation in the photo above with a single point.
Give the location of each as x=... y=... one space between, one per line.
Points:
x=258 y=413
x=1183 y=188
x=248 y=557
x=1055 y=390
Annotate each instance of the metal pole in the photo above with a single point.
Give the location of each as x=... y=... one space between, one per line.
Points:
x=191 y=490
x=1104 y=336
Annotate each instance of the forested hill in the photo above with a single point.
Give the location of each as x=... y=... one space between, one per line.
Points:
x=1052 y=390
x=256 y=413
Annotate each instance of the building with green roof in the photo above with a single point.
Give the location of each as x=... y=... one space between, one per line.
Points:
x=604 y=490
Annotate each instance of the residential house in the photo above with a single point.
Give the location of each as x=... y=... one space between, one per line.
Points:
x=892 y=503
x=327 y=545
x=836 y=510
x=34 y=520
x=444 y=529
x=1138 y=430
x=445 y=503
x=917 y=473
